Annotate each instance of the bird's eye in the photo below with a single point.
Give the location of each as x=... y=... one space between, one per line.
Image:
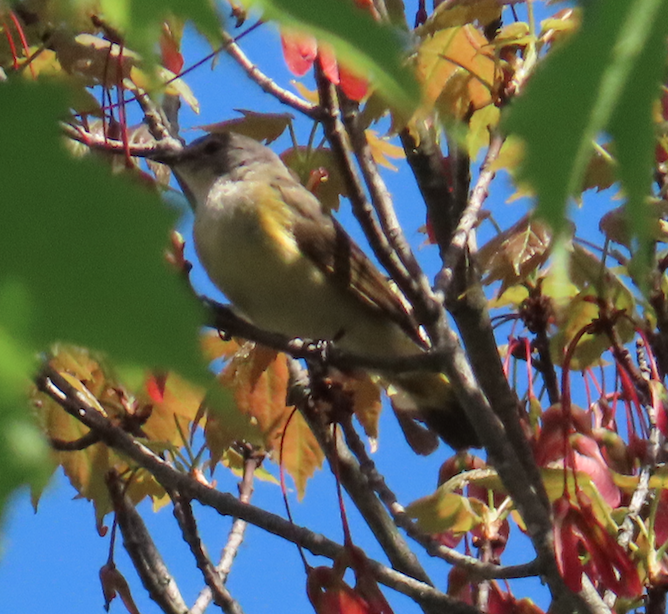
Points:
x=211 y=147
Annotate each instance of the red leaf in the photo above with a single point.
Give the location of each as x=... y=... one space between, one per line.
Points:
x=661 y=520
x=577 y=528
x=328 y=64
x=329 y=594
x=589 y=460
x=299 y=51
x=169 y=50
x=566 y=544
x=155 y=386
x=353 y=86
x=113 y=583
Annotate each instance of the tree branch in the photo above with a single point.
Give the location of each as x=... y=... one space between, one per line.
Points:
x=376 y=481
x=155 y=576
x=353 y=480
x=471 y=215
x=362 y=208
x=267 y=84
x=235 y=538
x=414 y=284
x=184 y=515
x=53 y=384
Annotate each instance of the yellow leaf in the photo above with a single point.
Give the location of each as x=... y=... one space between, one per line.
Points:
x=260 y=390
x=180 y=402
x=305 y=161
x=457 y=70
x=259 y=126
x=480 y=126
x=449 y=14
x=87 y=469
x=366 y=401
x=553 y=479
x=382 y=149
x=301 y=453
x=516 y=253
x=215 y=347
x=307 y=94
x=446 y=511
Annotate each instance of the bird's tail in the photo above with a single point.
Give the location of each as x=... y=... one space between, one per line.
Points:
x=429 y=397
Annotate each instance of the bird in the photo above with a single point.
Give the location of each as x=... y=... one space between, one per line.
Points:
x=289 y=267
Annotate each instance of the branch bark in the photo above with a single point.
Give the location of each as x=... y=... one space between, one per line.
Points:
x=150 y=566
x=53 y=384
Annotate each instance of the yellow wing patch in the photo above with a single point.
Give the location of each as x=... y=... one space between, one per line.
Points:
x=275 y=218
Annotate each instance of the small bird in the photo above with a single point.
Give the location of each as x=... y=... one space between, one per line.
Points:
x=289 y=267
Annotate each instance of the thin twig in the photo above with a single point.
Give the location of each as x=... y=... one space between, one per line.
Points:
x=352 y=479
x=267 y=84
x=471 y=215
x=236 y=535
x=82 y=443
x=184 y=515
x=150 y=566
x=414 y=284
x=362 y=208
x=158 y=125
x=167 y=148
x=431 y=545
x=640 y=496
x=512 y=463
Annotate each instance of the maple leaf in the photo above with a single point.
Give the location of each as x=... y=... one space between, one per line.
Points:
x=259 y=126
x=304 y=161
x=330 y=594
x=456 y=70
x=174 y=411
x=569 y=102
x=382 y=149
x=86 y=469
x=258 y=378
x=516 y=253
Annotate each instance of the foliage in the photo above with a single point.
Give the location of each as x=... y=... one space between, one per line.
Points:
x=100 y=369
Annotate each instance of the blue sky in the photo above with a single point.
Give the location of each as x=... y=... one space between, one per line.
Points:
x=51 y=560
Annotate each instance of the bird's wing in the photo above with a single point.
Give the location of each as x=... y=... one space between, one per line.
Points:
x=322 y=239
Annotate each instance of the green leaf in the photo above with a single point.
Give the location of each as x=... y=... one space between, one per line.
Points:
x=86 y=248
x=141 y=20
x=446 y=511
x=24 y=455
x=373 y=48
x=603 y=79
